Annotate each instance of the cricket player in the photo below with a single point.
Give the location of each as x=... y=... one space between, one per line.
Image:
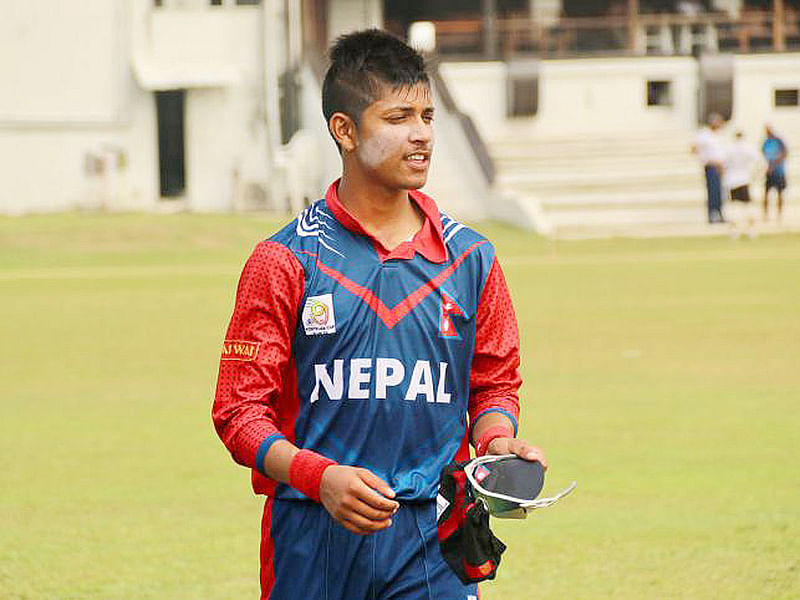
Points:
x=372 y=341
x=775 y=152
x=740 y=160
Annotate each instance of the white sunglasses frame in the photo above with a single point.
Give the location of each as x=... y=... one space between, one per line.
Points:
x=501 y=505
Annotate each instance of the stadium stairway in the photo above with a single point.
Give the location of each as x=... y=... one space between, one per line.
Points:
x=615 y=186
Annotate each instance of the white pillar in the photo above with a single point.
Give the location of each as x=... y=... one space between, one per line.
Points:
x=731 y=7
x=274 y=60
x=294 y=26
x=546 y=12
x=345 y=16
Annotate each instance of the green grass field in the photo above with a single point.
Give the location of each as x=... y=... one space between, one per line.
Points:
x=663 y=375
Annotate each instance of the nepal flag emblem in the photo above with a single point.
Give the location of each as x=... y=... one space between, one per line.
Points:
x=450 y=309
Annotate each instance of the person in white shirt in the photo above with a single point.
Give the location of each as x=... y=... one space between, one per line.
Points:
x=740 y=161
x=711 y=152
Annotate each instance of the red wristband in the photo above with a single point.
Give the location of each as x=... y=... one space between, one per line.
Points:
x=305 y=472
x=497 y=431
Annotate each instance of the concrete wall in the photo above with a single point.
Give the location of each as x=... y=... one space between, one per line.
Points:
x=70 y=107
x=608 y=96
x=756 y=77
x=64 y=103
x=47 y=77
x=206 y=37
x=580 y=96
x=47 y=168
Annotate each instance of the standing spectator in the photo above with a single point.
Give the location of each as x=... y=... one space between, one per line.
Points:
x=740 y=161
x=709 y=149
x=775 y=153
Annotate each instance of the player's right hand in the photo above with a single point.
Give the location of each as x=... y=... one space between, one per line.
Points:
x=357 y=498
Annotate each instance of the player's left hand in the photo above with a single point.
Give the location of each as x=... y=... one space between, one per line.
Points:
x=521 y=448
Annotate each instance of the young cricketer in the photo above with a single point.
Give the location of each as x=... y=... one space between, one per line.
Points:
x=373 y=339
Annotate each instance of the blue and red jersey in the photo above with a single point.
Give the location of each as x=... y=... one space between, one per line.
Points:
x=373 y=358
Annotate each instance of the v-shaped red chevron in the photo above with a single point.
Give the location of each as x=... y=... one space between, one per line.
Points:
x=392 y=316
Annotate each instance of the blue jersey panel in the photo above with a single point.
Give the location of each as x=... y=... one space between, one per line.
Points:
x=384 y=350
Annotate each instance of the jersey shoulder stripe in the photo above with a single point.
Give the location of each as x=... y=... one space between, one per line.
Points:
x=450 y=227
x=313 y=230
x=458 y=237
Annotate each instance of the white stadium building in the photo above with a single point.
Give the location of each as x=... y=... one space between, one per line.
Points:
x=547 y=115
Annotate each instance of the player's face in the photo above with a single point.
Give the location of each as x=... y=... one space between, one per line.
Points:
x=394 y=138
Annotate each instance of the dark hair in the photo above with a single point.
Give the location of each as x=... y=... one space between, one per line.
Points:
x=361 y=63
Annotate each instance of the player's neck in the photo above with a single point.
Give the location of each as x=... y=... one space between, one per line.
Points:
x=387 y=214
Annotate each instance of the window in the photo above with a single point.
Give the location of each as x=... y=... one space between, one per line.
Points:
x=524 y=96
x=522 y=88
x=786 y=97
x=659 y=93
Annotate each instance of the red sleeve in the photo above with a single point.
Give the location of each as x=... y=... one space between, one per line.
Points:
x=257 y=351
x=495 y=379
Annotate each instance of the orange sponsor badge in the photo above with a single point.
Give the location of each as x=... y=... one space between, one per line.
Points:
x=239 y=350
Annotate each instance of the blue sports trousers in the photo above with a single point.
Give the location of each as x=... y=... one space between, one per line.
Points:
x=714 y=191
x=306 y=555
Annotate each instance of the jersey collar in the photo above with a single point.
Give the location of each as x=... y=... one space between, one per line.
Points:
x=428 y=241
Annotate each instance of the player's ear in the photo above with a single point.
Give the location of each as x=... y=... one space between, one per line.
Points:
x=343 y=129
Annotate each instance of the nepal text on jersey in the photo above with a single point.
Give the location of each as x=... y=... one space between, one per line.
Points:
x=424 y=380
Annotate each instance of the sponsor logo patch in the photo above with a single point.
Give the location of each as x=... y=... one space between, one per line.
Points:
x=318 y=316
x=239 y=350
